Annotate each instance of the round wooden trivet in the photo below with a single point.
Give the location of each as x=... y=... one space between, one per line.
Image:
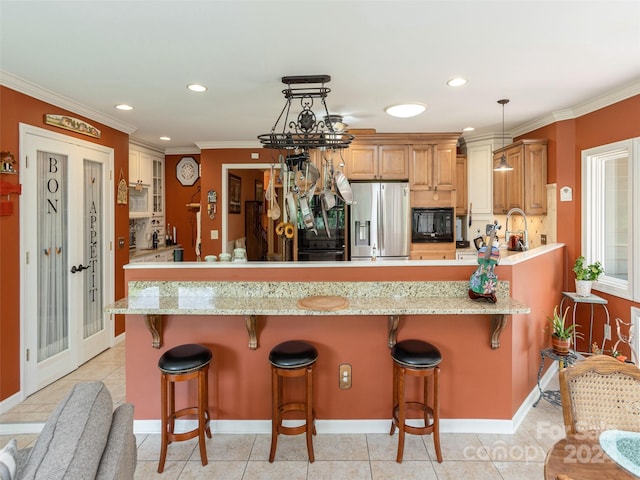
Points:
x=326 y=303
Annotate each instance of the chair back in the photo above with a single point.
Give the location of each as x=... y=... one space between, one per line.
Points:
x=600 y=393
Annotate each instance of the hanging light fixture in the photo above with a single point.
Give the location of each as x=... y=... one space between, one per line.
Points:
x=503 y=166
x=336 y=122
x=305 y=131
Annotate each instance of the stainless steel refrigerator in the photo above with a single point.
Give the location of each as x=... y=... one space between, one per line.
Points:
x=379 y=221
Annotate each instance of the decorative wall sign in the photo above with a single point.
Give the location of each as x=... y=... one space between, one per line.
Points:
x=187 y=171
x=73 y=124
x=123 y=190
x=235 y=189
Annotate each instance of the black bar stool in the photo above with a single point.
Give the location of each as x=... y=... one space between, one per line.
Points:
x=180 y=364
x=292 y=359
x=417 y=359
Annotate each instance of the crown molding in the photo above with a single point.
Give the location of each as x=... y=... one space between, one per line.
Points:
x=31 y=89
x=146 y=145
x=580 y=109
x=228 y=144
x=182 y=151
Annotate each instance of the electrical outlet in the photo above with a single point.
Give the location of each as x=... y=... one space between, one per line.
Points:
x=344 y=380
x=607 y=331
x=543 y=239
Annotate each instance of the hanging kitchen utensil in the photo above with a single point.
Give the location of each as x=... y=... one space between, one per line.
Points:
x=307 y=215
x=273 y=211
x=343 y=187
x=290 y=201
x=327 y=197
x=325 y=219
x=313 y=174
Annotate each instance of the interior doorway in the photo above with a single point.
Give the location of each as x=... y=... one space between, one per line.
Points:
x=226 y=167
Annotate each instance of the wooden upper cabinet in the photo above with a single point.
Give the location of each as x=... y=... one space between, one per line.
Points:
x=535 y=174
x=433 y=167
x=525 y=186
x=393 y=163
x=461 y=185
x=362 y=162
x=377 y=162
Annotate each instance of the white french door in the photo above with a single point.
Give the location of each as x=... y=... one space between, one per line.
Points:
x=67 y=257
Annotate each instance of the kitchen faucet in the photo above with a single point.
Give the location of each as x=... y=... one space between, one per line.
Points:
x=523 y=243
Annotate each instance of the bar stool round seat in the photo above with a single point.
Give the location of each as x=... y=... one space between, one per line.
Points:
x=292 y=359
x=416 y=358
x=180 y=364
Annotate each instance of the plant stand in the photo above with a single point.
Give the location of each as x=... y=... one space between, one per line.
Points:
x=591 y=300
x=553 y=396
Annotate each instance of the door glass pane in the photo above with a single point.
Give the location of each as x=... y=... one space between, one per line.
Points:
x=53 y=316
x=616 y=217
x=93 y=248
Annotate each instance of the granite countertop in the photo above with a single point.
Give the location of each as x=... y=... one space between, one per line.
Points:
x=251 y=299
x=280 y=298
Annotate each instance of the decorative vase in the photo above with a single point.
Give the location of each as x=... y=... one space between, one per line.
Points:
x=583 y=288
x=559 y=345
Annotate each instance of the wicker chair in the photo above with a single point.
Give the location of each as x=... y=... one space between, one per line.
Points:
x=600 y=393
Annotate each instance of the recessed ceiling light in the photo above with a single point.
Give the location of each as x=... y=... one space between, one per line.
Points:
x=406 y=110
x=456 y=82
x=468 y=129
x=195 y=87
x=124 y=106
x=166 y=139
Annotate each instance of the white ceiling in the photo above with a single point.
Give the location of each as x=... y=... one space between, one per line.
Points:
x=548 y=58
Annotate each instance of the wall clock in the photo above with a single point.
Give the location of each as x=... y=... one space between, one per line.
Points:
x=187 y=171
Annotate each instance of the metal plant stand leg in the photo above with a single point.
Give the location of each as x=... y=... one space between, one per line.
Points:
x=553 y=396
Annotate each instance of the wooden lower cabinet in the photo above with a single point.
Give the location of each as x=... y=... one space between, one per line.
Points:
x=433 y=251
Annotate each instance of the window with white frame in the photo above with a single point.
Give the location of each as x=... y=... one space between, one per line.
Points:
x=611 y=215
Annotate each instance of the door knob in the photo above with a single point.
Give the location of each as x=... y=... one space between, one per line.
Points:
x=79 y=268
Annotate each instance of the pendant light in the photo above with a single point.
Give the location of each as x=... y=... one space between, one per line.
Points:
x=503 y=166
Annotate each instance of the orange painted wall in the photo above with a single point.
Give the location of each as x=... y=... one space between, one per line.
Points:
x=212 y=161
x=17 y=108
x=498 y=380
x=567 y=140
x=176 y=200
x=537 y=285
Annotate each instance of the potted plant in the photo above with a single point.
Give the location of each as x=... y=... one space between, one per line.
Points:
x=561 y=334
x=585 y=275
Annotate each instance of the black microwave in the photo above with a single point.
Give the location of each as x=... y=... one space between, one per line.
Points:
x=432 y=225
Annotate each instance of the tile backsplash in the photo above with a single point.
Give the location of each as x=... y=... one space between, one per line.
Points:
x=536 y=224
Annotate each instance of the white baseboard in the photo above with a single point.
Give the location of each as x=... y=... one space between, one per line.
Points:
x=464 y=425
x=10 y=402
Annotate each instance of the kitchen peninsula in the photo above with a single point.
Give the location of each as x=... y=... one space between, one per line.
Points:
x=411 y=299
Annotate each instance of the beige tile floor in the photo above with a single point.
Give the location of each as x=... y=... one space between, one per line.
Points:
x=353 y=457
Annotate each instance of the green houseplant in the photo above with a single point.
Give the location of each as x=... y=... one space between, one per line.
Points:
x=585 y=275
x=561 y=334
